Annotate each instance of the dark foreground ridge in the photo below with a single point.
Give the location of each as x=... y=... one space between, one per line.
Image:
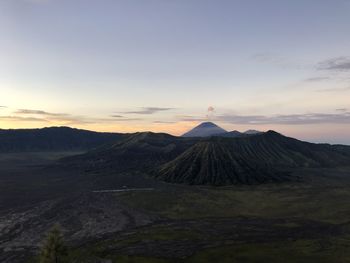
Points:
x=266 y=157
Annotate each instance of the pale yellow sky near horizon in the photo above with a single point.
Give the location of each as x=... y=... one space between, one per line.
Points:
x=323 y=132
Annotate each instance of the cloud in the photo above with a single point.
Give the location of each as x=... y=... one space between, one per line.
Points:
x=148 y=110
x=39 y=112
x=211 y=112
x=317 y=79
x=22 y=119
x=123 y=119
x=211 y=109
x=336 y=68
x=268 y=57
x=334 y=89
x=335 y=64
x=36 y=1
x=164 y=122
x=191 y=118
x=342 y=109
x=276 y=60
x=292 y=119
x=70 y=120
x=62 y=118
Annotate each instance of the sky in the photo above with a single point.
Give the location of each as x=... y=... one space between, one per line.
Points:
x=167 y=65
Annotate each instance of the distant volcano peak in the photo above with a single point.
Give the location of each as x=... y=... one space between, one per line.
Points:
x=205 y=129
x=207 y=124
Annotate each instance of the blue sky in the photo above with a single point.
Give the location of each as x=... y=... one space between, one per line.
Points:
x=159 y=64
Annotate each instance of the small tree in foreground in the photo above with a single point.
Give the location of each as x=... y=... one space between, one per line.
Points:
x=53 y=249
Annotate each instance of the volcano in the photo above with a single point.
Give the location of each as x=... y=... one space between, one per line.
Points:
x=212 y=159
x=256 y=159
x=205 y=129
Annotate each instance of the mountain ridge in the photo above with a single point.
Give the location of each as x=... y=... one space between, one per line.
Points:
x=260 y=158
x=53 y=139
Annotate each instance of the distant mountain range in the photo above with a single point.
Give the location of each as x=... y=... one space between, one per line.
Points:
x=53 y=139
x=207 y=129
x=215 y=160
x=206 y=155
x=70 y=139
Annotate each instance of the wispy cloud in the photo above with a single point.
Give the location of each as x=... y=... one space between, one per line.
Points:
x=75 y=120
x=39 y=112
x=317 y=79
x=122 y=119
x=335 y=64
x=334 y=70
x=276 y=60
x=342 y=109
x=36 y=1
x=164 y=122
x=22 y=119
x=292 y=119
x=148 y=110
x=334 y=89
x=22 y=115
x=191 y=118
x=3 y=107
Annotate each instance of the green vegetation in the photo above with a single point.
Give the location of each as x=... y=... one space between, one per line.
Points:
x=301 y=251
x=54 y=249
x=292 y=200
x=236 y=224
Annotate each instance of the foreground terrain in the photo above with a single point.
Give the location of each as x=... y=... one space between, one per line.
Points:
x=299 y=221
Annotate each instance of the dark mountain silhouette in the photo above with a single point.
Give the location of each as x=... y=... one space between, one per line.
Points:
x=226 y=158
x=232 y=134
x=265 y=157
x=205 y=129
x=215 y=160
x=136 y=151
x=53 y=139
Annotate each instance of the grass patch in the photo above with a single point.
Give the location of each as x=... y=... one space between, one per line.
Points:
x=301 y=251
x=285 y=201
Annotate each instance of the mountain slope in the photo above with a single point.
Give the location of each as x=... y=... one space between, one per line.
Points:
x=205 y=129
x=232 y=134
x=136 y=151
x=53 y=139
x=248 y=160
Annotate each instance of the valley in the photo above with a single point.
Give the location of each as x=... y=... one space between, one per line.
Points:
x=153 y=197
x=173 y=222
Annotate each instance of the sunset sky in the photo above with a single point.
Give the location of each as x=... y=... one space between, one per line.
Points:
x=167 y=65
